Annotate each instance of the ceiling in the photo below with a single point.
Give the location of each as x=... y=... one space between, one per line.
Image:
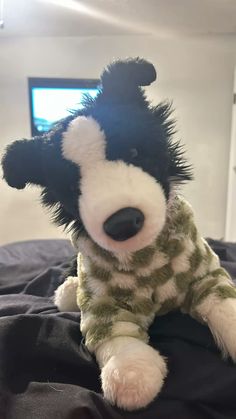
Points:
x=163 y=18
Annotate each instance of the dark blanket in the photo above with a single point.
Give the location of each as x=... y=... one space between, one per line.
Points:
x=47 y=373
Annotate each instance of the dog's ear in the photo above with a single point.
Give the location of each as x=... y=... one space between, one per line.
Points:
x=122 y=81
x=22 y=163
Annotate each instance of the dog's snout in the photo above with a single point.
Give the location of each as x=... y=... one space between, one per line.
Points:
x=124 y=224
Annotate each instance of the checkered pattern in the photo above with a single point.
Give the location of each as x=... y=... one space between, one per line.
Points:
x=119 y=295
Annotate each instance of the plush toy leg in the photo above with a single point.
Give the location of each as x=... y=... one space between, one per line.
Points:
x=132 y=372
x=65 y=295
x=221 y=320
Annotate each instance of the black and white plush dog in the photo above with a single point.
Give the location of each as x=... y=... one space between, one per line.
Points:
x=109 y=172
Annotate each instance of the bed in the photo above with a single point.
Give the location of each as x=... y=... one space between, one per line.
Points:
x=46 y=371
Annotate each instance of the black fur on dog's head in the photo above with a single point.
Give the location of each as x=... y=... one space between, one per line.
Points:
x=116 y=153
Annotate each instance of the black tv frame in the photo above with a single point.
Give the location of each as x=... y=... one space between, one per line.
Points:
x=56 y=83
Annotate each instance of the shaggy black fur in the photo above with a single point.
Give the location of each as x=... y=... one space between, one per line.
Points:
x=136 y=133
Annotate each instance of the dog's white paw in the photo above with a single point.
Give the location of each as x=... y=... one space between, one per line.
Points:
x=65 y=295
x=132 y=379
x=222 y=322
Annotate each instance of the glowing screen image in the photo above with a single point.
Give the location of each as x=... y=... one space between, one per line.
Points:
x=49 y=105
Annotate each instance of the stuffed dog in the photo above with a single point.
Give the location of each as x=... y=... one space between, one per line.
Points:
x=111 y=172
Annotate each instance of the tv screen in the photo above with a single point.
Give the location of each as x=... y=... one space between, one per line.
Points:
x=53 y=99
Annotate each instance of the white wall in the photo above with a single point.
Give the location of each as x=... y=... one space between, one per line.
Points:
x=196 y=74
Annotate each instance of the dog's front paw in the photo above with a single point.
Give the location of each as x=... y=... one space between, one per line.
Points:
x=132 y=380
x=65 y=295
x=222 y=322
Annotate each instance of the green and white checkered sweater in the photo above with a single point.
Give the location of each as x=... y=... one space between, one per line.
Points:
x=121 y=295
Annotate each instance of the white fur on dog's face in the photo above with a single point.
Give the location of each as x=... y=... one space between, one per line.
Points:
x=108 y=186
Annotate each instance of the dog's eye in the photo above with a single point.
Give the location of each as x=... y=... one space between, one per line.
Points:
x=133 y=153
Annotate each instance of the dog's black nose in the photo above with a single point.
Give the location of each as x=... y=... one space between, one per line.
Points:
x=124 y=224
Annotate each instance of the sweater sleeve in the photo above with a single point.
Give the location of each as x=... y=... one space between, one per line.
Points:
x=207 y=283
x=109 y=309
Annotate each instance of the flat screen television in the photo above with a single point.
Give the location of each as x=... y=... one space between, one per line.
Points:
x=52 y=99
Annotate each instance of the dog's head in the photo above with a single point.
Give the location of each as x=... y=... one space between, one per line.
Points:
x=108 y=168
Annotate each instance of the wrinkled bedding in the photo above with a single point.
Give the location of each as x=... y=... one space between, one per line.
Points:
x=46 y=371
